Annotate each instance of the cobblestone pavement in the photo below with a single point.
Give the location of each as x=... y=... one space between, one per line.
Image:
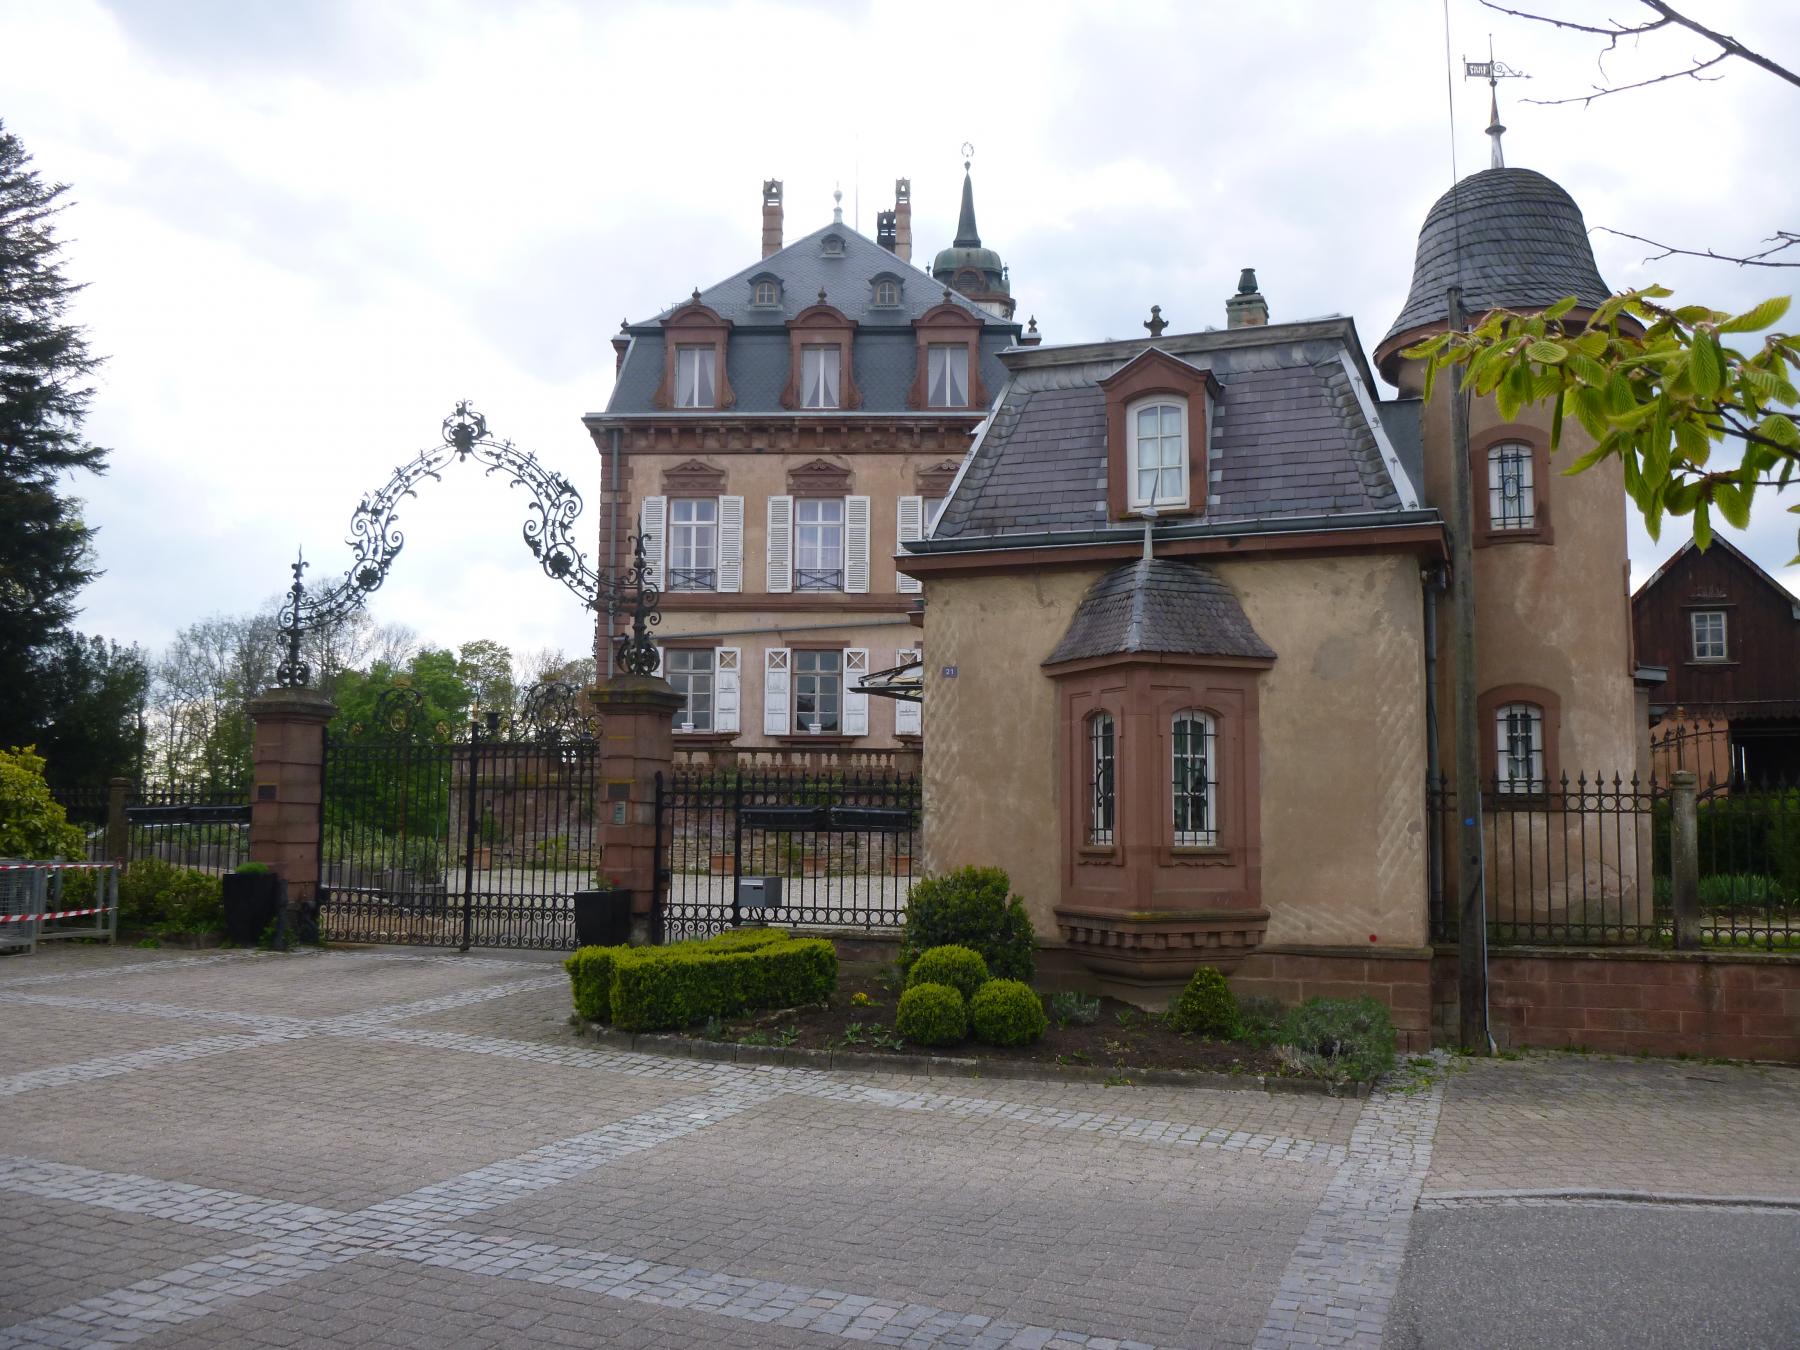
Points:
x=411 y=1149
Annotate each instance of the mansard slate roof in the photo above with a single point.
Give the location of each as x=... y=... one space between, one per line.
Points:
x=884 y=354
x=1155 y=605
x=1294 y=433
x=1511 y=238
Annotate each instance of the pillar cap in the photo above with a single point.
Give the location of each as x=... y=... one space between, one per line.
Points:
x=292 y=704
x=624 y=692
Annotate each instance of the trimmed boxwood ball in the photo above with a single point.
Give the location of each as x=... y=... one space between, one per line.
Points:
x=962 y=968
x=932 y=1014
x=1007 y=1012
x=972 y=907
x=1207 y=1007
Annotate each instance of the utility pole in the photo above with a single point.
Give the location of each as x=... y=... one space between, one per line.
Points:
x=1471 y=882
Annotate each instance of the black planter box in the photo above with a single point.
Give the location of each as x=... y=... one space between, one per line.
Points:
x=602 y=918
x=253 y=900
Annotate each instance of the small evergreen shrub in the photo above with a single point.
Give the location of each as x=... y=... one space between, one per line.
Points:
x=932 y=1014
x=1342 y=1039
x=971 y=907
x=167 y=899
x=959 y=967
x=1007 y=1012
x=1207 y=1007
x=1260 y=1019
x=1071 y=1009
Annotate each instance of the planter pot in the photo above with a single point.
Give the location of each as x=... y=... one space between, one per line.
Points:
x=602 y=918
x=900 y=864
x=484 y=858
x=721 y=863
x=252 y=900
x=811 y=865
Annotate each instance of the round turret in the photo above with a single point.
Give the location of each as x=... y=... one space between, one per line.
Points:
x=967 y=267
x=1512 y=239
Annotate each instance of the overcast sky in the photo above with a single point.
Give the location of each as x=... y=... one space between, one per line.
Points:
x=308 y=228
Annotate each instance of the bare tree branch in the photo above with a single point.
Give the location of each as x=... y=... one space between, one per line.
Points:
x=1601 y=91
x=1614 y=31
x=1781 y=240
x=1729 y=44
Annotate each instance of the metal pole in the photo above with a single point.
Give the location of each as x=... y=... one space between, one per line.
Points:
x=468 y=904
x=1433 y=578
x=1684 y=859
x=737 y=840
x=1471 y=924
x=612 y=548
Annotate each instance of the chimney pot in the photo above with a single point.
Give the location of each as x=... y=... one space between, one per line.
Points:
x=903 y=219
x=1246 y=309
x=771 y=242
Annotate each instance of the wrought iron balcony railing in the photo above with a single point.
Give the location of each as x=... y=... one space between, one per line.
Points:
x=693 y=579
x=818 y=579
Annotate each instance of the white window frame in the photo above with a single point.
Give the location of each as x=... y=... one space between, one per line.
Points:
x=821 y=374
x=938 y=371
x=1519 y=730
x=1705 y=644
x=812 y=555
x=1194 y=828
x=887 y=294
x=1521 y=455
x=691 y=391
x=693 y=543
x=683 y=680
x=766 y=294
x=820 y=685
x=1135 y=450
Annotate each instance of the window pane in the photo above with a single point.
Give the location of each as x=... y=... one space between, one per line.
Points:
x=819 y=377
x=947 y=375
x=1512 y=498
x=690 y=673
x=1194 y=783
x=1519 y=730
x=817 y=689
x=1101 y=799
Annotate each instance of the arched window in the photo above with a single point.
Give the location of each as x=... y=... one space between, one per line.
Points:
x=765 y=293
x=887 y=293
x=1512 y=487
x=1519 y=748
x=1158 y=431
x=1192 y=740
x=1102 y=743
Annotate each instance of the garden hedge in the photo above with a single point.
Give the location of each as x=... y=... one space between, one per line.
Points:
x=661 y=988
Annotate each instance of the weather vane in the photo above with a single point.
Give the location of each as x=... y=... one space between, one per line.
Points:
x=968 y=153
x=1493 y=72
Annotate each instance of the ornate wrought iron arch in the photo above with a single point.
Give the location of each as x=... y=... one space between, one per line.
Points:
x=376 y=540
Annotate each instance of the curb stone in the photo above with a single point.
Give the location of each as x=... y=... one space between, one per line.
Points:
x=951 y=1066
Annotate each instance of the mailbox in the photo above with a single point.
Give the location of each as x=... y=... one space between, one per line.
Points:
x=759 y=893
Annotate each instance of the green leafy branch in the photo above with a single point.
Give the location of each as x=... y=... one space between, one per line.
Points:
x=1655 y=387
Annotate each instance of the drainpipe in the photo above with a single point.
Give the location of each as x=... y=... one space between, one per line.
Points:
x=1433 y=578
x=612 y=558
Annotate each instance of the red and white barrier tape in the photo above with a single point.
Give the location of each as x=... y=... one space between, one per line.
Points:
x=60 y=914
x=55 y=867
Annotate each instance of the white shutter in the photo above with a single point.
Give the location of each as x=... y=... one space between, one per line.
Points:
x=909 y=717
x=856 y=545
x=775 y=691
x=652 y=523
x=781 y=545
x=731 y=544
x=725 y=689
x=658 y=672
x=909 y=527
x=856 y=702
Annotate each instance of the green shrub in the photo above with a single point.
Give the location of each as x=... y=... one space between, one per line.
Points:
x=932 y=1014
x=1007 y=1012
x=1260 y=1020
x=971 y=907
x=252 y=869
x=590 y=981
x=1071 y=1009
x=959 y=967
x=156 y=895
x=1207 y=1007
x=1343 y=1039
x=32 y=823
x=658 y=988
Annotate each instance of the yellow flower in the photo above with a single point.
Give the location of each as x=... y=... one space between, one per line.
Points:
x=860 y=1000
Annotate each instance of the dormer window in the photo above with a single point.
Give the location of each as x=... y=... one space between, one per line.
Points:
x=819 y=376
x=1158 y=431
x=887 y=294
x=694 y=376
x=947 y=375
x=832 y=246
x=766 y=293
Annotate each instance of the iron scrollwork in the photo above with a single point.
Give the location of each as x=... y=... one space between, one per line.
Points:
x=376 y=538
x=634 y=650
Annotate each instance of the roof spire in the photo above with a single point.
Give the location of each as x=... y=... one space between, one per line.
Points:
x=1493 y=71
x=1494 y=128
x=966 y=234
x=837 y=206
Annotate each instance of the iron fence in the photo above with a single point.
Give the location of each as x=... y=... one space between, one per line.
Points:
x=203 y=825
x=1748 y=841
x=841 y=847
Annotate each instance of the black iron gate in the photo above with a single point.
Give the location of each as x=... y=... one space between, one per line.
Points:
x=468 y=837
x=825 y=849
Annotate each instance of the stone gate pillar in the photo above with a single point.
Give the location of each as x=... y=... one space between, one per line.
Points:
x=287 y=782
x=637 y=742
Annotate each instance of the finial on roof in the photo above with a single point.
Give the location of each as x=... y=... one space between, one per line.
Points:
x=967 y=236
x=821 y=295
x=624 y=324
x=1494 y=128
x=1032 y=326
x=695 y=298
x=1156 y=323
x=837 y=208
x=946 y=295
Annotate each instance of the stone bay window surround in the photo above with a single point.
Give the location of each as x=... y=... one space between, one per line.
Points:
x=1158 y=759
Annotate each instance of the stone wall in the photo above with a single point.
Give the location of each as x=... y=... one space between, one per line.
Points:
x=1400 y=979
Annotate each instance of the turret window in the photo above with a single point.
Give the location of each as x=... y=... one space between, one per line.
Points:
x=947 y=375
x=694 y=376
x=1512 y=490
x=1196 y=784
x=1158 y=453
x=1519 y=747
x=1101 y=777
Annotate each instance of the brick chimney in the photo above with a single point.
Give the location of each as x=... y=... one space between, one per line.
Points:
x=771 y=216
x=1246 y=309
x=884 y=229
x=903 y=219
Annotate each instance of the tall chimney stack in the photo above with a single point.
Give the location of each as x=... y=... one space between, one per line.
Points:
x=771 y=216
x=903 y=219
x=884 y=229
x=1246 y=309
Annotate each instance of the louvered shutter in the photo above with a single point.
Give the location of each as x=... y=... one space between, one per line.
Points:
x=909 y=527
x=781 y=545
x=909 y=717
x=775 y=691
x=731 y=544
x=856 y=702
x=652 y=522
x=658 y=672
x=856 y=545
x=725 y=689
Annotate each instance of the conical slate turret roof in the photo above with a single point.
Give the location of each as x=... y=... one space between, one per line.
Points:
x=1511 y=238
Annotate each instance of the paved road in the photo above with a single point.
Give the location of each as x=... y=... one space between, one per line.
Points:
x=410 y=1149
